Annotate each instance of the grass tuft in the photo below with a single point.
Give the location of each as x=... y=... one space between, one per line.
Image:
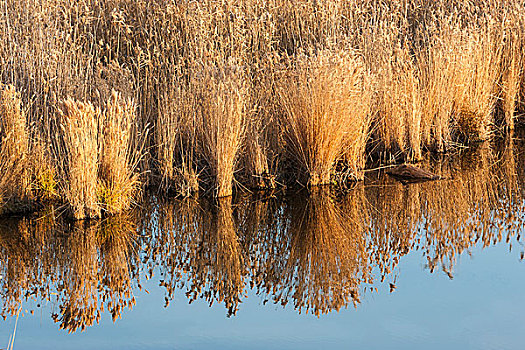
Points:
x=15 y=194
x=79 y=150
x=325 y=114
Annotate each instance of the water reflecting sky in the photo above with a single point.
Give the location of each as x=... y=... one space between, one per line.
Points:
x=428 y=265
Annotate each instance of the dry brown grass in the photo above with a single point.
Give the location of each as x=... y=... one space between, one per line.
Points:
x=175 y=140
x=100 y=153
x=220 y=123
x=479 y=59
x=397 y=120
x=261 y=157
x=412 y=75
x=15 y=182
x=122 y=148
x=325 y=114
x=79 y=151
x=437 y=70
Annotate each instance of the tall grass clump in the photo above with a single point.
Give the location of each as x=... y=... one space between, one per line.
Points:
x=122 y=148
x=264 y=142
x=437 y=69
x=325 y=114
x=220 y=123
x=258 y=162
x=175 y=139
x=15 y=179
x=479 y=60
x=79 y=153
x=451 y=72
x=396 y=127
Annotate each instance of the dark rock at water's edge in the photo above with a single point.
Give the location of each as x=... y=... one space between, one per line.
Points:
x=411 y=173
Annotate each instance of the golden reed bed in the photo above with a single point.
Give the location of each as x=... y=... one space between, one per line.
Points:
x=103 y=98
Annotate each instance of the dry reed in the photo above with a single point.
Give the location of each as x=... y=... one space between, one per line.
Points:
x=175 y=140
x=122 y=148
x=396 y=127
x=325 y=114
x=15 y=194
x=79 y=126
x=398 y=78
x=478 y=75
x=220 y=123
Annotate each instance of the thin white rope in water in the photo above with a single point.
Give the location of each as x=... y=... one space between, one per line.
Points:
x=11 y=343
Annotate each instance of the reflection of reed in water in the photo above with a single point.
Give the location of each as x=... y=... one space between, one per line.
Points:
x=85 y=268
x=221 y=259
x=313 y=251
x=475 y=202
x=80 y=305
x=326 y=261
x=393 y=222
x=205 y=254
x=28 y=252
x=264 y=241
x=15 y=266
x=473 y=207
x=98 y=273
x=511 y=211
x=313 y=254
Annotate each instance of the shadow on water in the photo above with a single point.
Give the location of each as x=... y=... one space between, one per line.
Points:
x=314 y=252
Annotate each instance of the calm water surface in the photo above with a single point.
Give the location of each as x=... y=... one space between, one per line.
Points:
x=386 y=265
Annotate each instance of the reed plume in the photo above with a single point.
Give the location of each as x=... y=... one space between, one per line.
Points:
x=79 y=152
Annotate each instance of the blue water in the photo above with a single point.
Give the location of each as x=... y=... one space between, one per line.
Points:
x=482 y=307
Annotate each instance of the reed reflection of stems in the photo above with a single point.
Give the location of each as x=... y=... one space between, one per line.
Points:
x=205 y=255
x=264 y=240
x=312 y=250
x=175 y=239
x=116 y=239
x=327 y=257
x=16 y=264
x=85 y=268
x=99 y=272
x=80 y=306
x=447 y=217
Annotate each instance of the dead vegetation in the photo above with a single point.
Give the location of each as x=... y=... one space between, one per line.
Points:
x=15 y=192
x=326 y=114
x=245 y=93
